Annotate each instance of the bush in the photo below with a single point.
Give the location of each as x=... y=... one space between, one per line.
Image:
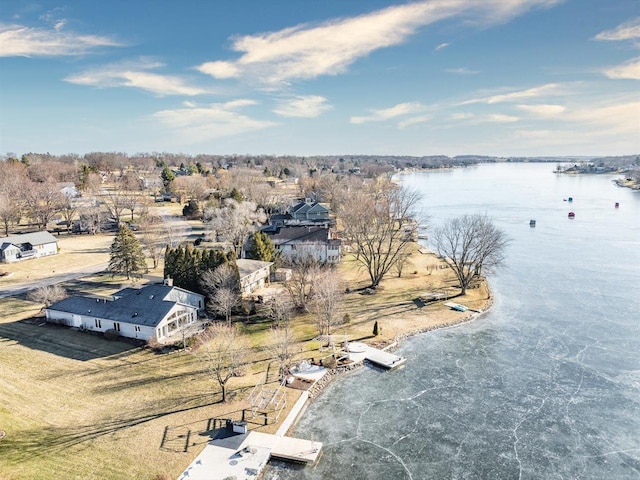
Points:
x=346 y=318
x=111 y=334
x=329 y=362
x=376 y=330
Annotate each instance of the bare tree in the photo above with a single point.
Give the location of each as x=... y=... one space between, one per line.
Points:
x=222 y=285
x=47 y=295
x=68 y=208
x=304 y=269
x=235 y=221
x=327 y=300
x=281 y=346
x=152 y=239
x=470 y=244
x=43 y=201
x=223 y=350
x=379 y=222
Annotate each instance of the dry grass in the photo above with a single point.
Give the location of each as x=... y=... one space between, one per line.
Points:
x=77 y=253
x=76 y=406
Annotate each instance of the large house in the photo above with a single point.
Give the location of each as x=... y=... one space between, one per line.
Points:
x=317 y=242
x=304 y=212
x=27 y=245
x=158 y=311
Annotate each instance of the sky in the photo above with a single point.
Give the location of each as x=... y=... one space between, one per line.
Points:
x=321 y=77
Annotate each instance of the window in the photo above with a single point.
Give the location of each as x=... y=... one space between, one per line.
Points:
x=98 y=323
x=116 y=326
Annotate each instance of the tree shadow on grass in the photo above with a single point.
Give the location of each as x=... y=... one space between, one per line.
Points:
x=51 y=440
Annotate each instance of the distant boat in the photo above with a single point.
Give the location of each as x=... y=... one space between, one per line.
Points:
x=532 y=223
x=617 y=204
x=571 y=199
x=572 y=215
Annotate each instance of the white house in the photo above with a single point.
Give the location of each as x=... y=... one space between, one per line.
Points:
x=315 y=241
x=159 y=311
x=27 y=245
x=254 y=274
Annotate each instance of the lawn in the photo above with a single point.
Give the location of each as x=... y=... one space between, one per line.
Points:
x=76 y=406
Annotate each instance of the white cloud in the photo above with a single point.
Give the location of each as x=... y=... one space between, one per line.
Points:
x=499 y=118
x=388 y=113
x=303 y=106
x=628 y=70
x=304 y=51
x=21 y=41
x=626 y=31
x=413 y=121
x=462 y=71
x=543 y=110
x=441 y=46
x=196 y=124
x=542 y=90
x=136 y=75
x=617 y=118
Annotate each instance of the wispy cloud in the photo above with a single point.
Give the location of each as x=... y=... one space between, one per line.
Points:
x=462 y=71
x=137 y=75
x=441 y=46
x=498 y=118
x=195 y=123
x=22 y=41
x=413 y=121
x=389 y=113
x=307 y=51
x=543 y=110
x=626 y=31
x=462 y=116
x=542 y=90
x=303 y=106
x=628 y=70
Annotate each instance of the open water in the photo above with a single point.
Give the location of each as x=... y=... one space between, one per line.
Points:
x=544 y=386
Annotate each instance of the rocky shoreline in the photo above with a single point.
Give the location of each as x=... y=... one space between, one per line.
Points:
x=316 y=390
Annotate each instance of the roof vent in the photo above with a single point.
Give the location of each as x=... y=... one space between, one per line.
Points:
x=151 y=297
x=135 y=314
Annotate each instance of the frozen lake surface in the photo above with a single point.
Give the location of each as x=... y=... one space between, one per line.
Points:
x=545 y=386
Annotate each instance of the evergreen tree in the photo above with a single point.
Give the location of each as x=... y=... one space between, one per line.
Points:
x=236 y=195
x=262 y=248
x=167 y=178
x=127 y=257
x=376 y=331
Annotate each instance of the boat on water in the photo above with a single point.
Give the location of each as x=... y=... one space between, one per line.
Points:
x=532 y=223
x=570 y=199
x=617 y=204
x=572 y=215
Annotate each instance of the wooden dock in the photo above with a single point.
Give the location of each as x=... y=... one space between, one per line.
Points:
x=244 y=456
x=360 y=351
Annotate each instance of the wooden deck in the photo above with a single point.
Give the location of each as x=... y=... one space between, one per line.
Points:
x=360 y=351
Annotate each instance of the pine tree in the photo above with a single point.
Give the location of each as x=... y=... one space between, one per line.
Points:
x=262 y=248
x=375 y=329
x=127 y=257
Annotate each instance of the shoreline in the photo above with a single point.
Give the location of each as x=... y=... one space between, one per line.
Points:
x=321 y=385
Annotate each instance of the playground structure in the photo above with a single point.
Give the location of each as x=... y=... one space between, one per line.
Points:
x=267 y=402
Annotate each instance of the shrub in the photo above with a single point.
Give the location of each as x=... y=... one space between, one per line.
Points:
x=376 y=330
x=346 y=318
x=329 y=362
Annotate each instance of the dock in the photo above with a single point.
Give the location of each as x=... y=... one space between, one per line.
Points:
x=360 y=351
x=244 y=456
x=456 y=306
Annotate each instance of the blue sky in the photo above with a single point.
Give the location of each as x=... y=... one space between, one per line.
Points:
x=491 y=77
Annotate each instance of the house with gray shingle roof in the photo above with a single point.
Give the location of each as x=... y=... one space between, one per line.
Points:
x=27 y=245
x=162 y=312
x=293 y=242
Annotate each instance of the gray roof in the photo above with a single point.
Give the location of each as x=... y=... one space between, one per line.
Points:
x=139 y=306
x=36 y=238
x=299 y=235
x=247 y=267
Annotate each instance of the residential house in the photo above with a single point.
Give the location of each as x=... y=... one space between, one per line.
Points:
x=156 y=311
x=27 y=245
x=304 y=212
x=254 y=274
x=299 y=241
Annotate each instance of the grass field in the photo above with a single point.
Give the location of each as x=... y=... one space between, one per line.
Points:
x=76 y=406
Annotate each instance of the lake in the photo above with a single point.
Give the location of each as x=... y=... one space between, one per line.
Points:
x=544 y=386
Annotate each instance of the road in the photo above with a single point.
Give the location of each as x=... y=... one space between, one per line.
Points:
x=177 y=230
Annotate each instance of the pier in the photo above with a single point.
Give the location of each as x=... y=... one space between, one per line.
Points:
x=244 y=456
x=360 y=351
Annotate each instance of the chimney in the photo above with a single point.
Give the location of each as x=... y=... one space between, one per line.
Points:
x=168 y=281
